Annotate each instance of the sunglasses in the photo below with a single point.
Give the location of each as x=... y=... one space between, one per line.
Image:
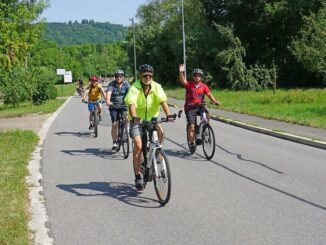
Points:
x=197 y=75
x=118 y=76
x=147 y=76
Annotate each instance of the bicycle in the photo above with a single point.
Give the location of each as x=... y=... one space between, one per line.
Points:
x=123 y=134
x=95 y=115
x=204 y=133
x=155 y=164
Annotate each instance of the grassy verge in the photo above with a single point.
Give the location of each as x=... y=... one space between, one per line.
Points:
x=305 y=107
x=28 y=108
x=15 y=151
x=66 y=89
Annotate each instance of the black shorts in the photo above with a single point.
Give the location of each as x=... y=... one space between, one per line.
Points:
x=192 y=115
x=114 y=113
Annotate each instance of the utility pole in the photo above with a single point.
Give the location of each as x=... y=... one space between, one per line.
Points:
x=184 y=40
x=135 y=58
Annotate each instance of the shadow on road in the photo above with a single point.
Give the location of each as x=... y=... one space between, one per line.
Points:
x=254 y=180
x=88 y=134
x=99 y=152
x=122 y=192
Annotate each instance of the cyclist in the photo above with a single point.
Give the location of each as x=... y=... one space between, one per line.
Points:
x=196 y=90
x=115 y=95
x=95 y=93
x=144 y=99
x=80 y=86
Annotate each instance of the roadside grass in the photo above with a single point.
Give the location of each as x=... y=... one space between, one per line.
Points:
x=305 y=107
x=28 y=108
x=67 y=89
x=15 y=151
x=48 y=107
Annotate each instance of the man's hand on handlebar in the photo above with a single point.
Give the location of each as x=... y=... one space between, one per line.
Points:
x=170 y=118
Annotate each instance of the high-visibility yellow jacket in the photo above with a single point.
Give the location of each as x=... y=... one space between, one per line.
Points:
x=148 y=106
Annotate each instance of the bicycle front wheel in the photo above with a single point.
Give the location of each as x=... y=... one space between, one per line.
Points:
x=162 y=181
x=125 y=141
x=208 y=141
x=95 y=123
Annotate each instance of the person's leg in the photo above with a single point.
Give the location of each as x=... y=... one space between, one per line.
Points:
x=114 y=120
x=137 y=155
x=191 y=125
x=160 y=132
x=99 y=111
x=91 y=110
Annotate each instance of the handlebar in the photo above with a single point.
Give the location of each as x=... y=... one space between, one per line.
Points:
x=99 y=101
x=154 y=121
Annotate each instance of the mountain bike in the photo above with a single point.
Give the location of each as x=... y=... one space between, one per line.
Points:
x=204 y=133
x=155 y=164
x=95 y=115
x=123 y=134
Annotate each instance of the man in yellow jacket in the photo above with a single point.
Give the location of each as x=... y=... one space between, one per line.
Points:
x=144 y=99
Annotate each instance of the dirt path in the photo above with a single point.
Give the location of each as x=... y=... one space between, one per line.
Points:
x=30 y=122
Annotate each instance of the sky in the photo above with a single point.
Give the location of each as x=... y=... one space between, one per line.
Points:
x=113 y=11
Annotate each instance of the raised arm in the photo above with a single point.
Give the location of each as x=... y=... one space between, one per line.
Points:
x=182 y=78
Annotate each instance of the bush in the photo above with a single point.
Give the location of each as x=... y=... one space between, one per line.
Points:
x=35 y=85
x=12 y=86
x=44 y=88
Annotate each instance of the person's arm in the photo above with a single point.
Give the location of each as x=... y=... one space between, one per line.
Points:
x=167 y=111
x=212 y=98
x=86 y=93
x=108 y=98
x=182 y=78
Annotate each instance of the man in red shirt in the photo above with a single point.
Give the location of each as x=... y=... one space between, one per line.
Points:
x=196 y=90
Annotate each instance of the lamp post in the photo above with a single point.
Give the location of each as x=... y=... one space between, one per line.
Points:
x=135 y=58
x=184 y=39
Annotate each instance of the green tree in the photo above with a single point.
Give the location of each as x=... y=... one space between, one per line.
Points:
x=310 y=45
x=20 y=28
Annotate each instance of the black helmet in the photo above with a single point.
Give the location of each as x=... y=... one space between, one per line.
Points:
x=197 y=71
x=119 y=72
x=146 y=68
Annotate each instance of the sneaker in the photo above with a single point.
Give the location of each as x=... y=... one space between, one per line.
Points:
x=198 y=141
x=90 y=126
x=99 y=118
x=114 y=146
x=192 y=147
x=139 y=183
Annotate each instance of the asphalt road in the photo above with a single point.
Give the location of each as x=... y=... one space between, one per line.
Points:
x=257 y=189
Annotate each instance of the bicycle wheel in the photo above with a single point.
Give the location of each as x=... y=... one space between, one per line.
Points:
x=162 y=182
x=120 y=132
x=208 y=141
x=125 y=141
x=95 y=123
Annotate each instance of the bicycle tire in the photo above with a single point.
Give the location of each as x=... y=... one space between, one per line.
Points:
x=208 y=141
x=95 y=123
x=125 y=141
x=162 y=182
x=119 y=139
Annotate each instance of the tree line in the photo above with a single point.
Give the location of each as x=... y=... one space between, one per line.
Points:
x=88 y=31
x=239 y=44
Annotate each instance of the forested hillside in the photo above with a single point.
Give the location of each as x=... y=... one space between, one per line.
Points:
x=87 y=31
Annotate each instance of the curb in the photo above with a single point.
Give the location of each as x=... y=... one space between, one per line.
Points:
x=286 y=136
x=40 y=233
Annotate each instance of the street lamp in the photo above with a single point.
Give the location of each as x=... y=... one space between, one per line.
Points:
x=135 y=63
x=184 y=40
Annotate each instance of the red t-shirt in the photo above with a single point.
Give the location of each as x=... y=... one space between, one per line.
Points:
x=195 y=93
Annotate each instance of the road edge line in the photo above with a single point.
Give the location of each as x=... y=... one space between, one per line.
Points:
x=38 y=223
x=271 y=132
